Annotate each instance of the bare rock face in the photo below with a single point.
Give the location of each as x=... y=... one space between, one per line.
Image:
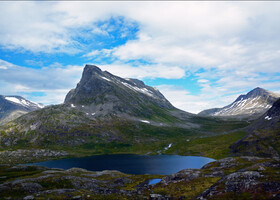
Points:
x=101 y=93
x=251 y=105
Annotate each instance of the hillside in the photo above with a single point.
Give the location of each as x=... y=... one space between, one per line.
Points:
x=264 y=136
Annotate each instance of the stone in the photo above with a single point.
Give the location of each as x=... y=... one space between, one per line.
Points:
x=30 y=197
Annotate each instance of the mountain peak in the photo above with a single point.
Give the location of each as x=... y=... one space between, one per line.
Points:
x=91 y=67
x=258 y=89
x=253 y=104
x=102 y=91
x=257 y=92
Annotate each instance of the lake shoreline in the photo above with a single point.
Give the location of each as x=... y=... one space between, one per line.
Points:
x=126 y=163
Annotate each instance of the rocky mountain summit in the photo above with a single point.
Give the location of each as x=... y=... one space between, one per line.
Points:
x=100 y=93
x=12 y=107
x=251 y=105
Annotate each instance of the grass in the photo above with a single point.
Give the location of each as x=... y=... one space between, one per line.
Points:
x=214 y=147
x=8 y=174
x=186 y=190
x=151 y=140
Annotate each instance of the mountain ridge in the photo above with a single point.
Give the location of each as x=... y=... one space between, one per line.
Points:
x=12 y=107
x=251 y=105
x=99 y=91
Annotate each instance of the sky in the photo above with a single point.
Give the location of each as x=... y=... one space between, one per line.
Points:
x=200 y=55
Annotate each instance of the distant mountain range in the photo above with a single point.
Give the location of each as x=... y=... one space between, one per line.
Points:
x=251 y=105
x=12 y=107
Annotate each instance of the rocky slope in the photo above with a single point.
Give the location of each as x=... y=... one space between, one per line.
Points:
x=264 y=135
x=229 y=178
x=102 y=93
x=251 y=105
x=12 y=107
x=103 y=109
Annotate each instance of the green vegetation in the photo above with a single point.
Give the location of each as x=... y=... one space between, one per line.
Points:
x=153 y=139
x=7 y=173
x=115 y=137
x=246 y=177
x=214 y=147
x=188 y=189
x=261 y=142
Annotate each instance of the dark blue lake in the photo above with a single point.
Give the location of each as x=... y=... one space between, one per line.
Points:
x=131 y=164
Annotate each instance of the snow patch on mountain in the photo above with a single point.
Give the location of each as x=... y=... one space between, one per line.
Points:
x=268 y=118
x=15 y=106
x=105 y=78
x=13 y=99
x=24 y=102
x=137 y=89
x=145 y=121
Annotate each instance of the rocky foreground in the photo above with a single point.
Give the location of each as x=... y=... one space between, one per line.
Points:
x=229 y=178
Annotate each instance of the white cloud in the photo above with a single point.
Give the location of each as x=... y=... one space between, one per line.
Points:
x=54 y=81
x=182 y=99
x=56 y=96
x=236 y=44
x=96 y=53
x=202 y=81
x=189 y=34
x=145 y=71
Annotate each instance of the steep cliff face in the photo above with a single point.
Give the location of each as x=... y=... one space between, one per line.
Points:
x=103 y=93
